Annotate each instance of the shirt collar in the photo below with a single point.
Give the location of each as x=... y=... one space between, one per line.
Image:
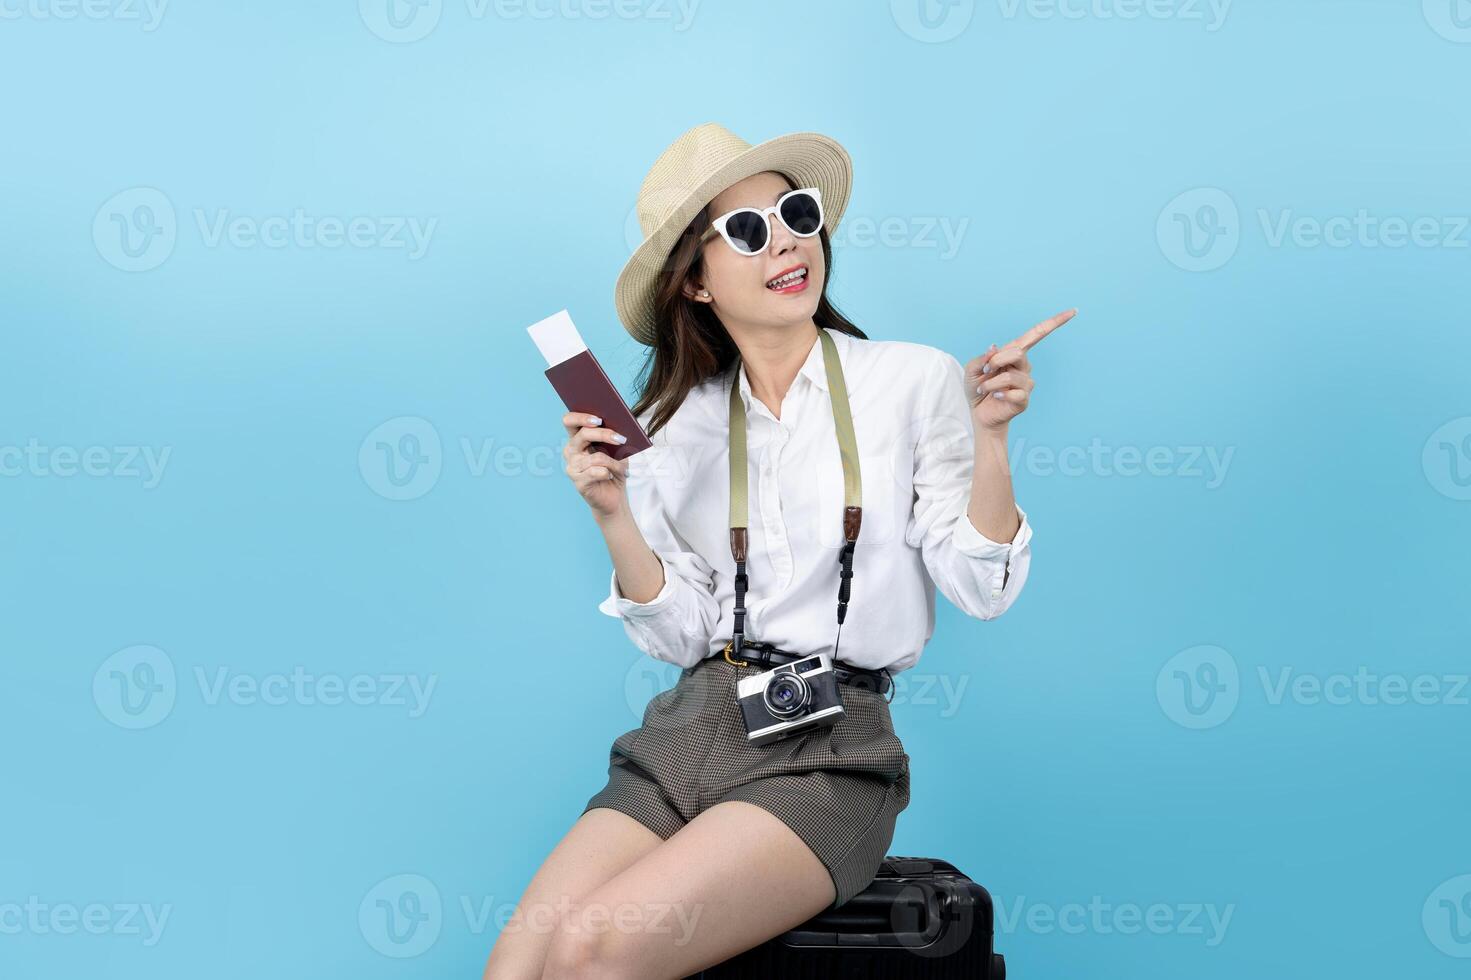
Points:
x=814 y=368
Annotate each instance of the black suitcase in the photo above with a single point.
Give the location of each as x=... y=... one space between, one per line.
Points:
x=918 y=918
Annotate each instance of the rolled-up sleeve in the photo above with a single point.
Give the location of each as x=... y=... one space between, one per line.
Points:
x=980 y=576
x=675 y=625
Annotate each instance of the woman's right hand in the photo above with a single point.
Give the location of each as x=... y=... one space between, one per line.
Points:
x=601 y=479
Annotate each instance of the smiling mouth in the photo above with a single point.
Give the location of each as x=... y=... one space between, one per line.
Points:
x=789 y=279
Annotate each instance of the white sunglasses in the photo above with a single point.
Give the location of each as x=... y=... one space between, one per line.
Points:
x=748 y=230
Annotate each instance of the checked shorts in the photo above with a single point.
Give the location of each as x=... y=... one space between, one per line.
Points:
x=840 y=788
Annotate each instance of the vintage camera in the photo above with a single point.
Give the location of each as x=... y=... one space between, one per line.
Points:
x=790 y=699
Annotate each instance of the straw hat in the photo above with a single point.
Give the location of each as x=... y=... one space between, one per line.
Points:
x=701 y=163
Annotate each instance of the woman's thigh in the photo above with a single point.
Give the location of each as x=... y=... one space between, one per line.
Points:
x=601 y=844
x=730 y=879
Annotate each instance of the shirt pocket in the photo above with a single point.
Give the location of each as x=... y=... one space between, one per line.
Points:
x=879 y=500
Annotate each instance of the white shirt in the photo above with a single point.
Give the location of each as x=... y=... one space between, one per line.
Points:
x=916 y=445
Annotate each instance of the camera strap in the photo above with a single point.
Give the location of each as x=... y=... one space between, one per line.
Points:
x=852 y=484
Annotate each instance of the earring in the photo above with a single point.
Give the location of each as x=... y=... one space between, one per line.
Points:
x=704 y=292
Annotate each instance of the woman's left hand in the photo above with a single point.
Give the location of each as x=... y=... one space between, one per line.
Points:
x=999 y=382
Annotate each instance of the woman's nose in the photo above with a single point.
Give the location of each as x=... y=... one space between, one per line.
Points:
x=781 y=238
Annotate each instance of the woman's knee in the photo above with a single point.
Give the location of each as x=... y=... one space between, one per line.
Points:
x=579 y=951
x=520 y=948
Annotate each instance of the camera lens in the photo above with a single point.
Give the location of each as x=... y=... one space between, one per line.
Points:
x=786 y=694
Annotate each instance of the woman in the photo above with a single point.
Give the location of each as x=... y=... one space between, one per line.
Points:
x=703 y=844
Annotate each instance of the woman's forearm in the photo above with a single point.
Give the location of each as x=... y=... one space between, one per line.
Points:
x=992 y=504
x=640 y=574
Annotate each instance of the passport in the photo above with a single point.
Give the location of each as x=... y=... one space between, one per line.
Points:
x=583 y=384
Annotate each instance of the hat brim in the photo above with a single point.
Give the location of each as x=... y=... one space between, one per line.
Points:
x=809 y=159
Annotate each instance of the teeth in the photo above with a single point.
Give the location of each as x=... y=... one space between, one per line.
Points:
x=788 y=278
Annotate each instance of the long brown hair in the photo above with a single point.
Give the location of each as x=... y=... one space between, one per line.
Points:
x=691 y=345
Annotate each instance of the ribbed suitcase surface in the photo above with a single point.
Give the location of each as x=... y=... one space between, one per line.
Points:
x=919 y=918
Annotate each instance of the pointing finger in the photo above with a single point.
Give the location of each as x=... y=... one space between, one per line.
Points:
x=1030 y=339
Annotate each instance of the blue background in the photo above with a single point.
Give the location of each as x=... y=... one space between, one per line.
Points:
x=1076 y=762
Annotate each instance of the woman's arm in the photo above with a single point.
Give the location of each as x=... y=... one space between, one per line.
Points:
x=661 y=589
x=992 y=506
x=980 y=573
x=999 y=384
x=975 y=540
x=638 y=573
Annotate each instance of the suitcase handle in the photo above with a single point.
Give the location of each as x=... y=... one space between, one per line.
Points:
x=926 y=917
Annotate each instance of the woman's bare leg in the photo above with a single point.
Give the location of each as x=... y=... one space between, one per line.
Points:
x=730 y=879
x=600 y=844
